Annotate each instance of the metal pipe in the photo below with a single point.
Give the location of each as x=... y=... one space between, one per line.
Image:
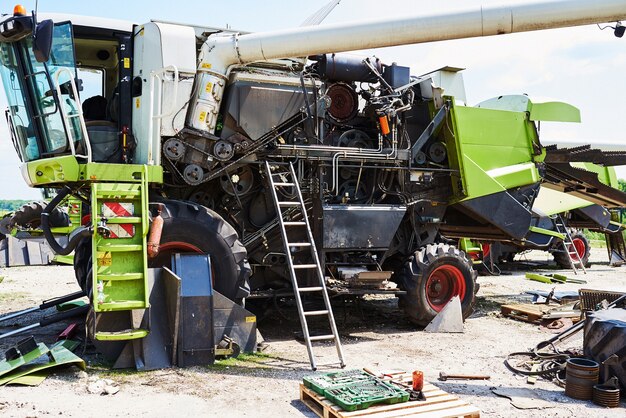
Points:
x=220 y=52
x=475 y=22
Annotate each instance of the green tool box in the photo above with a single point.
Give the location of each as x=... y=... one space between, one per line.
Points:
x=355 y=389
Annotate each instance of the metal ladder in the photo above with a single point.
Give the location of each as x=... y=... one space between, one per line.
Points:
x=288 y=179
x=568 y=245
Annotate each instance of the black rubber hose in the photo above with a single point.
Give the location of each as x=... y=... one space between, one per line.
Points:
x=45 y=226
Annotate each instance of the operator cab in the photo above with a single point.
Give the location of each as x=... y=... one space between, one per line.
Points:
x=63 y=80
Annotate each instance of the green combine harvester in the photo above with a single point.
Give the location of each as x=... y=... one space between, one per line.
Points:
x=286 y=171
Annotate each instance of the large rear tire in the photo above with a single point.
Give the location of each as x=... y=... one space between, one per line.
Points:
x=189 y=228
x=431 y=277
x=581 y=244
x=29 y=216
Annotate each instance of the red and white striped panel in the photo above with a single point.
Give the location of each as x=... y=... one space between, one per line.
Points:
x=121 y=230
x=117 y=209
x=74 y=209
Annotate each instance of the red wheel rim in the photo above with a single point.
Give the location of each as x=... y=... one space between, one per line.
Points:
x=579 y=245
x=179 y=246
x=443 y=283
x=486 y=250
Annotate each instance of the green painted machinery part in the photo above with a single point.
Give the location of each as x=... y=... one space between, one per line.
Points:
x=539 y=278
x=546 y=232
x=66 y=169
x=8 y=366
x=487 y=162
x=60 y=354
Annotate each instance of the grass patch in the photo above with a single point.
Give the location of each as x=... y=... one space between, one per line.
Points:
x=244 y=360
x=596 y=243
x=6 y=297
x=485 y=304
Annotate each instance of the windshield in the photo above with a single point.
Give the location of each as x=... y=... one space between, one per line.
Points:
x=41 y=119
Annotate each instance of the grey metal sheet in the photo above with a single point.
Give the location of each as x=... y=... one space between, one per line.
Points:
x=359 y=226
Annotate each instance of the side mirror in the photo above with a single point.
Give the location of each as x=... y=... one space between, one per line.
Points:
x=42 y=42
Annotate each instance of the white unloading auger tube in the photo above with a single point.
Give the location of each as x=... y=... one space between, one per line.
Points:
x=220 y=52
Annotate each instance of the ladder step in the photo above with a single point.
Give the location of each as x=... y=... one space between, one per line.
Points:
x=288 y=203
x=315 y=313
x=298 y=244
x=119 y=247
x=304 y=266
x=310 y=289
x=118 y=194
x=124 y=220
x=294 y=223
x=284 y=184
x=120 y=276
x=121 y=305
x=322 y=337
x=128 y=334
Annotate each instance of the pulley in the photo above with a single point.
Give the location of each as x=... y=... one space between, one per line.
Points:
x=193 y=174
x=223 y=150
x=173 y=149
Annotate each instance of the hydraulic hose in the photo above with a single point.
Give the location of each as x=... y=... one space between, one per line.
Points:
x=45 y=226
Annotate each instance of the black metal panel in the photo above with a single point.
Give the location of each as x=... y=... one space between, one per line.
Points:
x=501 y=210
x=360 y=227
x=596 y=213
x=195 y=339
x=235 y=321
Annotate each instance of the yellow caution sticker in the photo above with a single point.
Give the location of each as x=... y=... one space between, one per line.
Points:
x=126 y=62
x=137 y=102
x=206 y=65
x=104 y=259
x=202 y=116
x=250 y=318
x=209 y=87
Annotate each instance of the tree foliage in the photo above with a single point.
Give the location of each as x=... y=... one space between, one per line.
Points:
x=11 y=205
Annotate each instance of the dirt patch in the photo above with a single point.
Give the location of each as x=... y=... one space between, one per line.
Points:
x=374 y=333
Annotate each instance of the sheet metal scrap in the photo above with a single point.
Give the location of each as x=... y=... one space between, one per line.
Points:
x=32 y=367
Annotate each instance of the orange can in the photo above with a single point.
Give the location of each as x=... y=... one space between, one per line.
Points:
x=418 y=380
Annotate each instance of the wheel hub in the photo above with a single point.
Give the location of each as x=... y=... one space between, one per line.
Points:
x=443 y=284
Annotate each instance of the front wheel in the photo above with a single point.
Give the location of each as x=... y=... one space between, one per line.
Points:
x=431 y=277
x=192 y=228
x=582 y=247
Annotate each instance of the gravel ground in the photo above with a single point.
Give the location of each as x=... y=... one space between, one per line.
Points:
x=374 y=334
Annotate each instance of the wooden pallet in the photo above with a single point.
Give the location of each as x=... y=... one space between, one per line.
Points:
x=438 y=404
x=525 y=312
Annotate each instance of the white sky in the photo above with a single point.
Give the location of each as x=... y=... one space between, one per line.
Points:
x=582 y=66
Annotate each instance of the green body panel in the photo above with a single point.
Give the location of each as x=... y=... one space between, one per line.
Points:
x=546 y=232
x=59 y=355
x=547 y=111
x=469 y=246
x=7 y=366
x=550 y=202
x=63 y=169
x=555 y=112
x=66 y=169
x=494 y=151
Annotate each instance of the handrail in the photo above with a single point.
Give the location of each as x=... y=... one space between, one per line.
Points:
x=157 y=75
x=79 y=114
